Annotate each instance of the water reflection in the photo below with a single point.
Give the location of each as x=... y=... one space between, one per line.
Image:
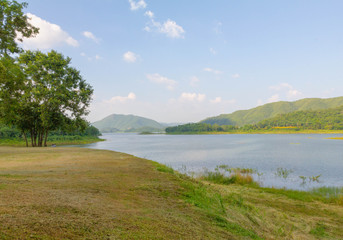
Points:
x=305 y=155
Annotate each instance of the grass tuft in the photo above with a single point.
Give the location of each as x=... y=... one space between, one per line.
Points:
x=164 y=168
x=225 y=175
x=319 y=230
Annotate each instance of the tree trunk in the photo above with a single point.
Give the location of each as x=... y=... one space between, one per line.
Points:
x=27 y=145
x=46 y=138
x=32 y=145
x=35 y=138
x=40 y=138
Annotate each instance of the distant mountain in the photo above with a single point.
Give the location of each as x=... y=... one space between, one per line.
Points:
x=127 y=123
x=255 y=115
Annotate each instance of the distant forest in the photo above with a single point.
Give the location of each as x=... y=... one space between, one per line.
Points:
x=7 y=132
x=328 y=119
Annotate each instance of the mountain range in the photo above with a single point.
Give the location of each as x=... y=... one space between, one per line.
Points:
x=255 y=115
x=132 y=123
x=127 y=123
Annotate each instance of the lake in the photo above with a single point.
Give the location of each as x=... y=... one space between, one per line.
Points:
x=305 y=155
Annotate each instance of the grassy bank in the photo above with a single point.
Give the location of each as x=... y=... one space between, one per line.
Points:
x=71 y=193
x=59 y=140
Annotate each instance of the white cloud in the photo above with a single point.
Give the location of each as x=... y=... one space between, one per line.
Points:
x=293 y=93
x=119 y=99
x=50 y=35
x=157 y=78
x=96 y=57
x=214 y=52
x=149 y=14
x=192 y=97
x=260 y=102
x=212 y=71
x=147 y=29
x=130 y=57
x=274 y=98
x=90 y=36
x=216 y=100
x=170 y=28
x=288 y=90
x=281 y=86
x=329 y=92
x=137 y=5
x=186 y=109
x=193 y=81
x=218 y=28
x=236 y=75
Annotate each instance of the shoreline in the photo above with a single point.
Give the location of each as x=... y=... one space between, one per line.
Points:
x=259 y=132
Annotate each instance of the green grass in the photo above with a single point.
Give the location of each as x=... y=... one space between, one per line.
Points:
x=60 y=140
x=319 y=231
x=212 y=203
x=323 y=194
x=72 y=193
x=226 y=175
x=164 y=168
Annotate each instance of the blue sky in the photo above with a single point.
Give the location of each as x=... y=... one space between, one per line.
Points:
x=183 y=61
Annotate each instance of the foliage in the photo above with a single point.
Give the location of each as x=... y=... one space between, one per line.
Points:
x=199 y=128
x=270 y=110
x=10 y=136
x=329 y=119
x=326 y=120
x=14 y=26
x=41 y=93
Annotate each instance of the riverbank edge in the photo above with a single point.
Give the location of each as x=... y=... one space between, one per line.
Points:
x=259 y=132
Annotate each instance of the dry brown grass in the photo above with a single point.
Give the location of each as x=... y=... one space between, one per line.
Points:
x=70 y=193
x=275 y=216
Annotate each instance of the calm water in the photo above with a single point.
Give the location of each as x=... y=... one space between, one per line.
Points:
x=303 y=154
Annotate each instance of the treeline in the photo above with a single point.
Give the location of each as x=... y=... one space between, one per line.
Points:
x=12 y=133
x=328 y=119
x=199 y=128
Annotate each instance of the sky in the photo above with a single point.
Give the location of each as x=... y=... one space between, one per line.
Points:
x=183 y=61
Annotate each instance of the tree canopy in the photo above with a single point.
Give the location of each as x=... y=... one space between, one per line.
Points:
x=14 y=26
x=39 y=92
x=42 y=92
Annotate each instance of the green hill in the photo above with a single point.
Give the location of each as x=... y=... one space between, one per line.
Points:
x=255 y=115
x=127 y=123
x=331 y=119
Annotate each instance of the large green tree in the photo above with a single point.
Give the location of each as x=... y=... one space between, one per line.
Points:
x=41 y=93
x=12 y=97
x=14 y=26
